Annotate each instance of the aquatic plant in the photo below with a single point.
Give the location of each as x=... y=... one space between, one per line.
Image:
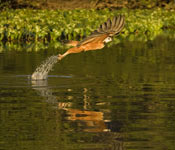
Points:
x=56 y=25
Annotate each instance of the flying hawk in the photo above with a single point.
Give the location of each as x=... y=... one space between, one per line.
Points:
x=98 y=38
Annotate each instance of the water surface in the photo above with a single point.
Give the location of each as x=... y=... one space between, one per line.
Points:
x=122 y=97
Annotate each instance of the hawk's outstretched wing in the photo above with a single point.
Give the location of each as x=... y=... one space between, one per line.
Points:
x=109 y=28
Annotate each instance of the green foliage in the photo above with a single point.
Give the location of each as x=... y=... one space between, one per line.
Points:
x=55 y=25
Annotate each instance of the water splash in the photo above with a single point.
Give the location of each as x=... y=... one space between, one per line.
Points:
x=41 y=72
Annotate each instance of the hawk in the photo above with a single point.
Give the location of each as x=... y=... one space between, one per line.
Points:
x=98 y=38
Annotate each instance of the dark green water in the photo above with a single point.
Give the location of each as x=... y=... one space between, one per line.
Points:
x=118 y=98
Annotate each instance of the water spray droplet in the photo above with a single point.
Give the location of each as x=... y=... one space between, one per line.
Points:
x=41 y=72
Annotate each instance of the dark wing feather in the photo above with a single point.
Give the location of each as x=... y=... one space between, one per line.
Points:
x=108 y=24
x=113 y=22
x=110 y=28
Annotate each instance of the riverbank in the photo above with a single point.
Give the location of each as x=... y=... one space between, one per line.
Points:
x=87 y=4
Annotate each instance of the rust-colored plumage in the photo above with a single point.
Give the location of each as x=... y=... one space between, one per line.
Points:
x=97 y=39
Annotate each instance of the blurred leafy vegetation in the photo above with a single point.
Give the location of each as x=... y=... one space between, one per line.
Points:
x=55 y=25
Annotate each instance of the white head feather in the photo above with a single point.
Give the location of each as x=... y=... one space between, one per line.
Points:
x=108 y=39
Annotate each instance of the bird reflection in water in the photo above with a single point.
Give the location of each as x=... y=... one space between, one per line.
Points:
x=94 y=121
x=88 y=120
